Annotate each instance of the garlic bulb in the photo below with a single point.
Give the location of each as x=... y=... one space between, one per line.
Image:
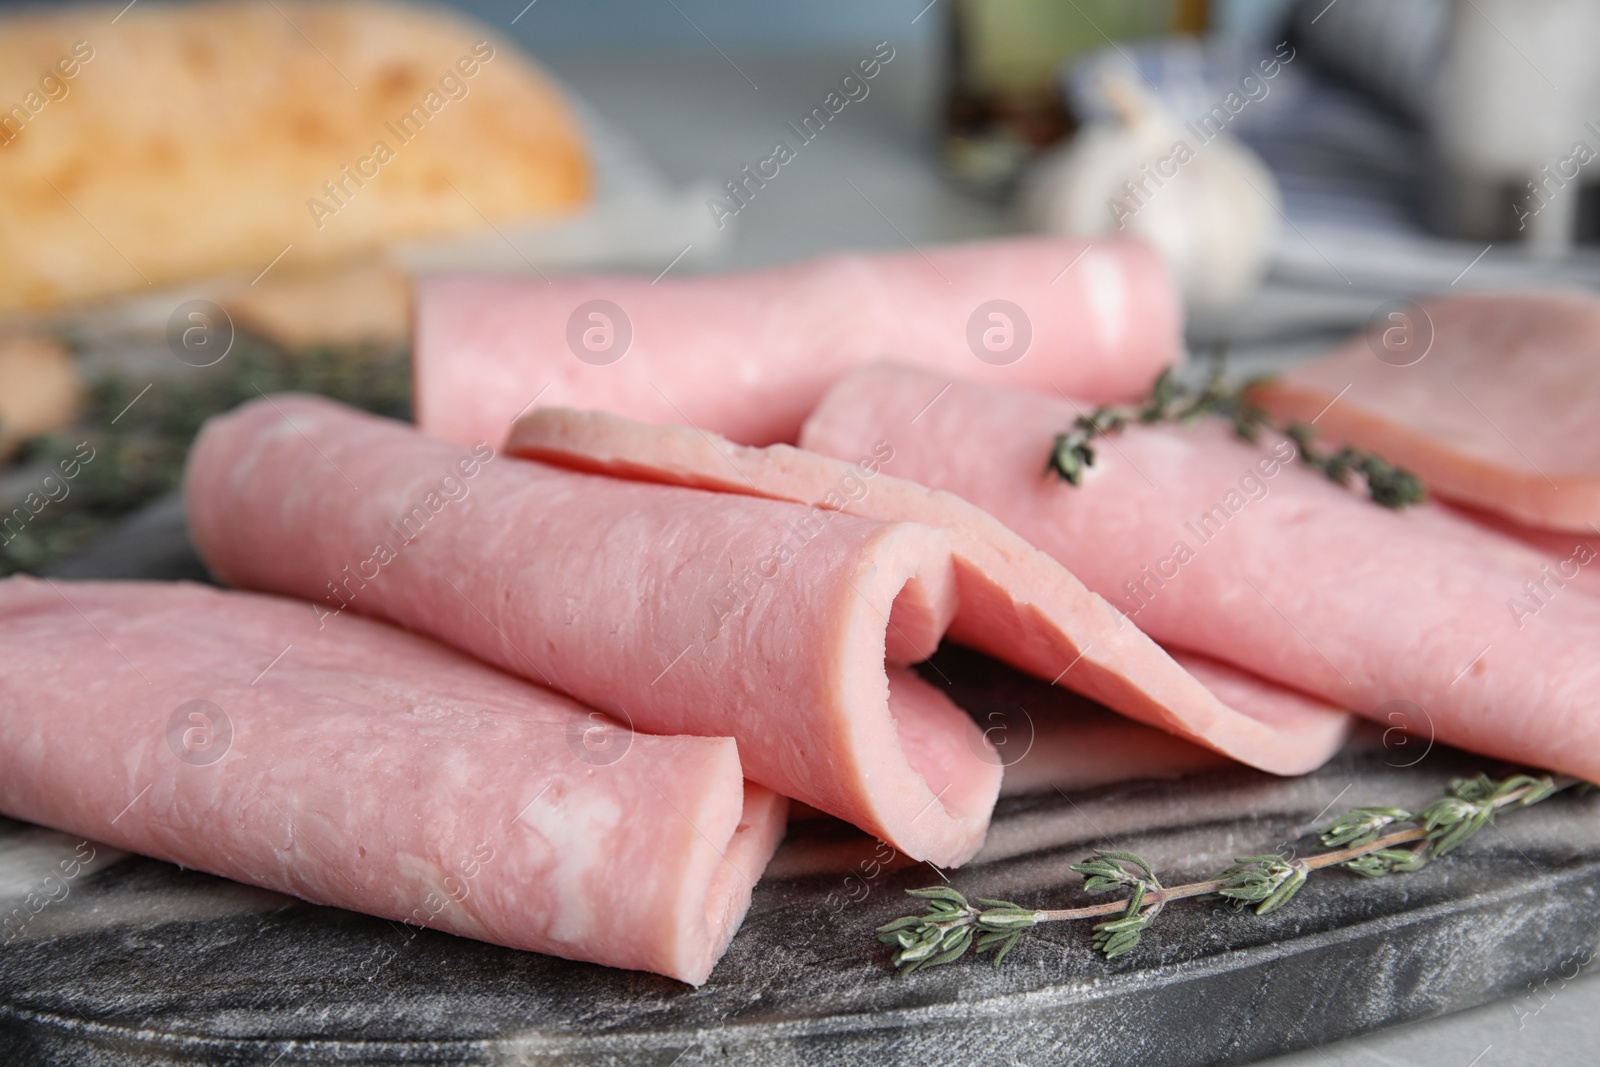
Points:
x=1200 y=197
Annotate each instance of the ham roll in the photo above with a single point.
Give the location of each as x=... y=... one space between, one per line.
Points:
x=1244 y=555
x=1490 y=400
x=353 y=764
x=676 y=610
x=747 y=356
x=1014 y=602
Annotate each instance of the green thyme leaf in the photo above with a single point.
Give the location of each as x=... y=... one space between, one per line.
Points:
x=939 y=893
x=1387 y=861
x=1361 y=826
x=1286 y=889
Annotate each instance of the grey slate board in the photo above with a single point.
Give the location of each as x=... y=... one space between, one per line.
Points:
x=144 y=963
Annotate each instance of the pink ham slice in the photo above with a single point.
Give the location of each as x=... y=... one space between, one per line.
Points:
x=748 y=355
x=1499 y=414
x=1015 y=603
x=360 y=766
x=680 y=610
x=1279 y=571
x=1050 y=738
x=1572 y=561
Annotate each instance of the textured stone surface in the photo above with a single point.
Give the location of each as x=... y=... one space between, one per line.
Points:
x=141 y=962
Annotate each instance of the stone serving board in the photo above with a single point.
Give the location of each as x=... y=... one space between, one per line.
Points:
x=141 y=962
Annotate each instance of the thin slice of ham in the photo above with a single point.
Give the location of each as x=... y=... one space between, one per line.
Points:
x=1015 y=603
x=1572 y=560
x=1243 y=554
x=364 y=767
x=1048 y=737
x=1497 y=411
x=748 y=355
x=679 y=610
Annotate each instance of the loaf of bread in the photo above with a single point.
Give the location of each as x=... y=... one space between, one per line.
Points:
x=188 y=140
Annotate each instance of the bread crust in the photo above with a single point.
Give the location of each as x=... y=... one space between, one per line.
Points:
x=193 y=140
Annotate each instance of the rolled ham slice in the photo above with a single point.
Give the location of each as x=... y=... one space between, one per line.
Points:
x=356 y=765
x=748 y=355
x=1497 y=413
x=677 y=610
x=1242 y=554
x=1014 y=602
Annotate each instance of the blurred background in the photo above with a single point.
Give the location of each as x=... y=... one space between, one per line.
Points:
x=1298 y=163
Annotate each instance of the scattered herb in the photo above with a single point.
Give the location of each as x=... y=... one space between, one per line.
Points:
x=1171 y=401
x=141 y=439
x=1371 y=842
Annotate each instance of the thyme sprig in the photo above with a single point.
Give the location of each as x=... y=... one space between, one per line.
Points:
x=1171 y=401
x=947 y=929
x=1108 y=872
x=1371 y=842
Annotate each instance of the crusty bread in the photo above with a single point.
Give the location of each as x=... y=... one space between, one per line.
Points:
x=345 y=306
x=187 y=140
x=39 y=389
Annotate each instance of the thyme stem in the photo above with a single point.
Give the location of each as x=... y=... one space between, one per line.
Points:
x=952 y=925
x=1170 y=401
x=1211 y=885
